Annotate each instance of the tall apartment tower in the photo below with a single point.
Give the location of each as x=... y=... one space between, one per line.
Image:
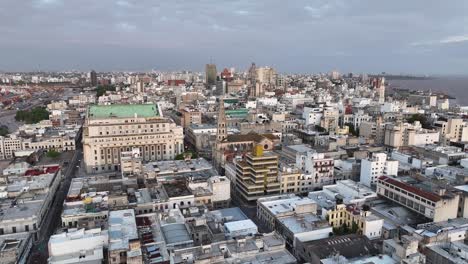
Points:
x=210 y=75
x=257 y=175
x=93 y=78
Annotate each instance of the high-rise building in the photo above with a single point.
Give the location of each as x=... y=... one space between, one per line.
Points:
x=93 y=78
x=335 y=75
x=257 y=175
x=110 y=130
x=211 y=74
x=266 y=75
x=375 y=166
x=252 y=74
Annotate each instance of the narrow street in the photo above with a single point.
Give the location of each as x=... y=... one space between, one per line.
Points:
x=39 y=252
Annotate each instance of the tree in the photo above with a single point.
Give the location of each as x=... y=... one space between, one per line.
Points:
x=32 y=116
x=53 y=153
x=421 y=118
x=3 y=130
x=102 y=89
x=354 y=227
x=320 y=129
x=352 y=130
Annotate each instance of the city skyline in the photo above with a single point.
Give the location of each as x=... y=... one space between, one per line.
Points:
x=301 y=37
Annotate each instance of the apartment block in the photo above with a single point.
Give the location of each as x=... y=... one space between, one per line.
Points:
x=375 y=166
x=257 y=175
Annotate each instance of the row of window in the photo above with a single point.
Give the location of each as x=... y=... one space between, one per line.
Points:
x=14 y=229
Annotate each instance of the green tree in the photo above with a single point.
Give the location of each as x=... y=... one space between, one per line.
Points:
x=3 y=130
x=32 y=116
x=421 y=118
x=52 y=153
x=102 y=89
x=320 y=129
x=352 y=130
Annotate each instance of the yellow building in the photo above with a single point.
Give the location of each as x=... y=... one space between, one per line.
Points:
x=366 y=223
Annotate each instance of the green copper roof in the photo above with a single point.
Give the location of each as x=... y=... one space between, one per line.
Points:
x=242 y=112
x=123 y=110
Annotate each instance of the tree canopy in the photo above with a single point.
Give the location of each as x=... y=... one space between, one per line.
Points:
x=425 y=123
x=3 y=130
x=102 y=89
x=53 y=153
x=32 y=116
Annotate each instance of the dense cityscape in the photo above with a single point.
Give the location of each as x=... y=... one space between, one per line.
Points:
x=233 y=132
x=230 y=166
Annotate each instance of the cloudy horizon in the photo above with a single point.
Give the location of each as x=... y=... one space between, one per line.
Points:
x=414 y=37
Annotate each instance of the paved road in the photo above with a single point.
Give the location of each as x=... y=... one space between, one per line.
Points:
x=53 y=221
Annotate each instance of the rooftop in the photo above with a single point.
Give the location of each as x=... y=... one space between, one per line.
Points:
x=176 y=233
x=123 y=111
x=122 y=228
x=349 y=246
x=228 y=214
x=430 y=196
x=303 y=223
x=285 y=204
x=176 y=189
x=240 y=225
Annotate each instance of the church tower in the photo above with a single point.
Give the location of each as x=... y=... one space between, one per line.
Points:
x=221 y=133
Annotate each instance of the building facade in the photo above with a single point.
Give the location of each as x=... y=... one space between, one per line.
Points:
x=110 y=130
x=257 y=175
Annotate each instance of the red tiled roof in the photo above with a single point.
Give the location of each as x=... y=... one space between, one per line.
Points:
x=44 y=170
x=430 y=196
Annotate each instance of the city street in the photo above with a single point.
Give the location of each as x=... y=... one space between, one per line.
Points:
x=39 y=252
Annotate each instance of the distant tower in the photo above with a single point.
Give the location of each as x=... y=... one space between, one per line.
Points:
x=93 y=77
x=221 y=133
x=252 y=75
x=381 y=90
x=210 y=75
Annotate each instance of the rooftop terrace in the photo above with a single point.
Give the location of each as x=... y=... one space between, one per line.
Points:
x=122 y=111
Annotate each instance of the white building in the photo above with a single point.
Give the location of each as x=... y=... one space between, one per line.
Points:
x=78 y=245
x=240 y=228
x=375 y=166
x=312 y=116
x=315 y=164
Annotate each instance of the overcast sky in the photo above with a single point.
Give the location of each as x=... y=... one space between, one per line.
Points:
x=398 y=36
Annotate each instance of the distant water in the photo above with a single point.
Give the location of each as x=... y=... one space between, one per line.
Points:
x=456 y=87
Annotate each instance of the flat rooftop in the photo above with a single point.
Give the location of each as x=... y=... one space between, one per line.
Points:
x=122 y=229
x=240 y=225
x=176 y=233
x=123 y=111
x=176 y=189
x=303 y=223
x=280 y=206
x=229 y=214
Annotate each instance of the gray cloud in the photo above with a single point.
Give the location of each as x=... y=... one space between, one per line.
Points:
x=418 y=36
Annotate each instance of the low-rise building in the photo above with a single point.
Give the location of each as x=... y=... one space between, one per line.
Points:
x=78 y=245
x=124 y=244
x=270 y=209
x=348 y=246
x=267 y=248
x=438 y=205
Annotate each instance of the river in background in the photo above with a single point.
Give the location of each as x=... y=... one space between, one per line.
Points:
x=456 y=87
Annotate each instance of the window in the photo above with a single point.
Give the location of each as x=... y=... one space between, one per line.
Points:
x=13 y=229
x=26 y=228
